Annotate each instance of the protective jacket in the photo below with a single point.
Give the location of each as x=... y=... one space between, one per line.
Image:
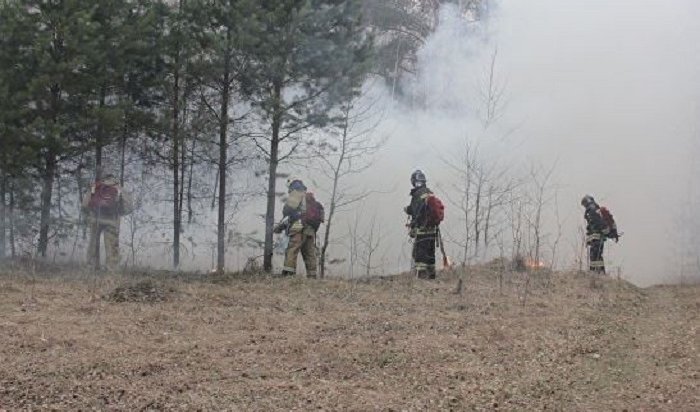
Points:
x=596 y=229
x=596 y=233
x=418 y=211
x=106 y=224
x=425 y=236
x=302 y=237
x=295 y=207
x=125 y=203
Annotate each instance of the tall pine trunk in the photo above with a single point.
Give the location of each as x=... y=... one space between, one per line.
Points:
x=99 y=136
x=13 y=252
x=3 y=203
x=223 y=156
x=99 y=170
x=122 y=150
x=48 y=178
x=176 y=147
x=50 y=160
x=176 y=163
x=190 y=178
x=272 y=178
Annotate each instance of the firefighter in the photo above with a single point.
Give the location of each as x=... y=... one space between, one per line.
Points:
x=302 y=234
x=424 y=234
x=105 y=204
x=597 y=231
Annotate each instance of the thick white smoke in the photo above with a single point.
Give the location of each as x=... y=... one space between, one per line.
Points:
x=606 y=92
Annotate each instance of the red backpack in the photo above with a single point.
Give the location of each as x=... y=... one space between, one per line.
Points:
x=435 y=212
x=315 y=214
x=609 y=222
x=104 y=199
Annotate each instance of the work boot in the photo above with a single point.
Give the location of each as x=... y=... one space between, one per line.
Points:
x=285 y=273
x=311 y=275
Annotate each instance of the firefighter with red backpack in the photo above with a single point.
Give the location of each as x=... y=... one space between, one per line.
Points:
x=303 y=215
x=426 y=212
x=600 y=226
x=105 y=204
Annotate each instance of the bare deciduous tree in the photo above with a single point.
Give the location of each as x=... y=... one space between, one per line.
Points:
x=348 y=151
x=539 y=197
x=492 y=94
x=364 y=245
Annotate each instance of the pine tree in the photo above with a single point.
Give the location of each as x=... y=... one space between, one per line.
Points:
x=306 y=49
x=178 y=49
x=53 y=37
x=226 y=31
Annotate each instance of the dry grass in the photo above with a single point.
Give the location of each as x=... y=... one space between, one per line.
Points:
x=395 y=344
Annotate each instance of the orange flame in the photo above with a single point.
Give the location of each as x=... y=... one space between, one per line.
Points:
x=446 y=263
x=534 y=264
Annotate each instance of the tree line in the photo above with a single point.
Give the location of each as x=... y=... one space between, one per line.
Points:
x=184 y=82
x=195 y=91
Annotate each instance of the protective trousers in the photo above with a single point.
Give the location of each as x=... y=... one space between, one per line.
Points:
x=424 y=254
x=595 y=255
x=304 y=242
x=110 y=229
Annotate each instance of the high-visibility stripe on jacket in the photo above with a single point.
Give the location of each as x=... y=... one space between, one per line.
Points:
x=432 y=230
x=593 y=236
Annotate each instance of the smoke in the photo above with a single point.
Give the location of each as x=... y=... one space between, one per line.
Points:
x=606 y=93
x=611 y=90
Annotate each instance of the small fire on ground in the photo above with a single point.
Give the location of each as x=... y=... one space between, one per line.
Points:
x=534 y=264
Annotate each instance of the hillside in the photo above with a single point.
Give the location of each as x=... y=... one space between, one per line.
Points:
x=247 y=343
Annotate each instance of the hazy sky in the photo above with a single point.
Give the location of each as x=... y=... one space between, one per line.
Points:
x=612 y=90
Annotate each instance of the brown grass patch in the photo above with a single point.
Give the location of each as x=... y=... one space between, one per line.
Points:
x=256 y=343
x=144 y=291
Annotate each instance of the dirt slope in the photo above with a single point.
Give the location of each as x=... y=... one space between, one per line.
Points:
x=560 y=342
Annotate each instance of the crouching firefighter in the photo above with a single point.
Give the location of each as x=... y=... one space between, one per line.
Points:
x=303 y=215
x=426 y=212
x=600 y=226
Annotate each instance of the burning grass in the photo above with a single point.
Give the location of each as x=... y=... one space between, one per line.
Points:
x=256 y=343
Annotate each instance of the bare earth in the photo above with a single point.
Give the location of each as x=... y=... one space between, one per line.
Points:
x=396 y=344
